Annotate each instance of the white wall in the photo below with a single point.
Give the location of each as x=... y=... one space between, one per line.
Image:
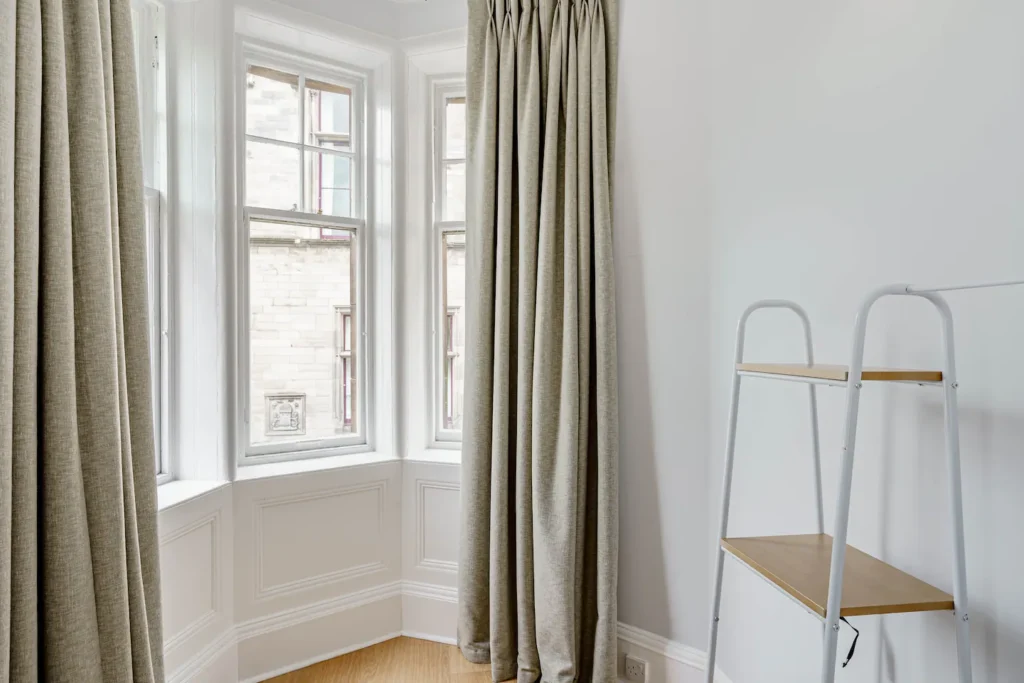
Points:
x=855 y=144
x=661 y=245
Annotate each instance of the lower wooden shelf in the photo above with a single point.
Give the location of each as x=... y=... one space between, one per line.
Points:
x=799 y=566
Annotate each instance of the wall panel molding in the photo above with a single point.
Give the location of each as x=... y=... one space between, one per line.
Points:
x=265 y=591
x=195 y=666
x=422 y=560
x=213 y=522
x=316 y=610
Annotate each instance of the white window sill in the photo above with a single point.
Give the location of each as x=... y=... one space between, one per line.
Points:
x=177 y=492
x=438 y=456
x=291 y=467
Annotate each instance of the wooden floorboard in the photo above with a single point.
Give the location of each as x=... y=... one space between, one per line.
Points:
x=402 y=660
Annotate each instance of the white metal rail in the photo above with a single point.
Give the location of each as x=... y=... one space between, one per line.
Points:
x=842 y=511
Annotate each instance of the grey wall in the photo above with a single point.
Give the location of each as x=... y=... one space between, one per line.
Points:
x=661 y=248
x=854 y=144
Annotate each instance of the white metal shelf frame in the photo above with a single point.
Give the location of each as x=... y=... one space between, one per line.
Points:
x=842 y=511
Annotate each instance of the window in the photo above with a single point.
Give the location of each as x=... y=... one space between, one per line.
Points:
x=301 y=293
x=149 y=40
x=450 y=240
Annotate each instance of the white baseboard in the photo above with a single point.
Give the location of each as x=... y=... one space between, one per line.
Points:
x=266 y=646
x=207 y=660
x=668 y=661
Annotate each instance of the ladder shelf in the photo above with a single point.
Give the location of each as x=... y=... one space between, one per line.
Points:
x=834 y=580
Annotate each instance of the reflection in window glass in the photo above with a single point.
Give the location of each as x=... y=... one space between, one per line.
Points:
x=272 y=104
x=303 y=349
x=453 y=288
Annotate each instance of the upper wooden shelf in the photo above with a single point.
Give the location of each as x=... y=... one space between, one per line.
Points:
x=840 y=373
x=799 y=565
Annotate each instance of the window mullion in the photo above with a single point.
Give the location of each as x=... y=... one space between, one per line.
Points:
x=273 y=141
x=302 y=143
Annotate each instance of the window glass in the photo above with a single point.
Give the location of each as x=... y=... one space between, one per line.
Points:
x=328 y=115
x=302 y=344
x=329 y=183
x=453 y=253
x=272 y=104
x=271 y=176
x=454 y=208
x=455 y=128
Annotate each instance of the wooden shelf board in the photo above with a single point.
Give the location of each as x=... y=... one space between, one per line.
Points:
x=840 y=373
x=799 y=565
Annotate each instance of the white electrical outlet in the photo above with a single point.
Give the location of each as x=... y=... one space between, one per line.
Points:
x=636 y=669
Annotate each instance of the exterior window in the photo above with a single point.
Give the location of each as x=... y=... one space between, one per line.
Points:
x=302 y=328
x=149 y=39
x=450 y=231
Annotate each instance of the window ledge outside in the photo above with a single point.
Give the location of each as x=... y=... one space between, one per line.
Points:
x=291 y=467
x=181 y=491
x=438 y=456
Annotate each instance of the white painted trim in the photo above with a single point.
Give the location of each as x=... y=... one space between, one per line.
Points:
x=442 y=41
x=422 y=561
x=207 y=656
x=668 y=649
x=684 y=654
x=213 y=520
x=444 y=640
x=259 y=626
x=430 y=591
x=671 y=652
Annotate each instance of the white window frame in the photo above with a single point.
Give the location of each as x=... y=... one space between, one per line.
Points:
x=149 y=20
x=251 y=52
x=442 y=89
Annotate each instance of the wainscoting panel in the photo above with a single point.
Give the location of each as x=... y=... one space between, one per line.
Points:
x=312 y=537
x=292 y=552
x=196 y=543
x=430 y=522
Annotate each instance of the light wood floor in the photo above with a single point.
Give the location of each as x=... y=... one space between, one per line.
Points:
x=402 y=660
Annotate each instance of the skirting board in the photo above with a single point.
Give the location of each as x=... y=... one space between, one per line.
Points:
x=667 y=660
x=427 y=612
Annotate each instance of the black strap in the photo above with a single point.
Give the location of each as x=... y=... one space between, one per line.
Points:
x=853 y=647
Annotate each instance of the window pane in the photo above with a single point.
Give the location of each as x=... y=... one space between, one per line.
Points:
x=454 y=192
x=272 y=104
x=328 y=115
x=301 y=332
x=455 y=128
x=329 y=184
x=271 y=176
x=453 y=352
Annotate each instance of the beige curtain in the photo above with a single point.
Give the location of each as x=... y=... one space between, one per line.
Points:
x=539 y=551
x=79 y=574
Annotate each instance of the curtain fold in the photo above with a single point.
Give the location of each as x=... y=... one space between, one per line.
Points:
x=79 y=569
x=539 y=551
